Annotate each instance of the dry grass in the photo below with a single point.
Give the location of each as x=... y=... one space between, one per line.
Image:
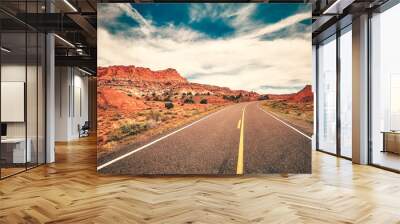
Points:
x=144 y=124
x=299 y=114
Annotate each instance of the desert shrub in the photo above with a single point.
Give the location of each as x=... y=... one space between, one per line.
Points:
x=154 y=115
x=231 y=97
x=189 y=101
x=189 y=94
x=130 y=94
x=133 y=128
x=169 y=105
x=168 y=113
x=116 y=117
x=238 y=97
x=203 y=101
x=114 y=137
x=151 y=124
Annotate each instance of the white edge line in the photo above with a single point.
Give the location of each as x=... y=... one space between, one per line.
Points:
x=274 y=116
x=155 y=141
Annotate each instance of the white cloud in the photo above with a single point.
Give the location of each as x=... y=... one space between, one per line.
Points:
x=241 y=62
x=279 y=25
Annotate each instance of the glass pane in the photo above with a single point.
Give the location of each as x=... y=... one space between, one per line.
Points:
x=13 y=87
x=327 y=96
x=31 y=98
x=41 y=99
x=385 y=91
x=346 y=93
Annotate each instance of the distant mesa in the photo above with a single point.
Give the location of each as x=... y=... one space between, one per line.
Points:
x=159 y=81
x=302 y=96
x=139 y=74
x=147 y=82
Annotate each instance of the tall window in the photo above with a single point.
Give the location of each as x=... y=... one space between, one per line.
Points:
x=327 y=95
x=385 y=88
x=346 y=92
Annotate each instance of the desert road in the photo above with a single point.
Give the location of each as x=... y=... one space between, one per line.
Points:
x=239 y=139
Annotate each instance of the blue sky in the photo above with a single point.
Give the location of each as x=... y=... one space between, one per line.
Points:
x=251 y=46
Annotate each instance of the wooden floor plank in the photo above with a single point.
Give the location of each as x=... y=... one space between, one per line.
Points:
x=70 y=191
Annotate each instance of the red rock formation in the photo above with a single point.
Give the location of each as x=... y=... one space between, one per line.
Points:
x=108 y=97
x=304 y=95
x=132 y=73
x=146 y=82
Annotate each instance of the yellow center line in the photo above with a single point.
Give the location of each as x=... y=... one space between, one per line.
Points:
x=238 y=126
x=239 y=169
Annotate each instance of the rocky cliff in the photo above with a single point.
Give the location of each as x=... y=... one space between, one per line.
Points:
x=304 y=95
x=162 y=85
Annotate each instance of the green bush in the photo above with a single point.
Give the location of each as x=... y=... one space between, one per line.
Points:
x=203 y=101
x=231 y=97
x=169 y=105
x=189 y=101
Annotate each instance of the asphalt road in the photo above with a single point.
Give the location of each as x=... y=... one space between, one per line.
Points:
x=239 y=139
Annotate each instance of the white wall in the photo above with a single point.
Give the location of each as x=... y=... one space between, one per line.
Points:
x=16 y=73
x=33 y=127
x=62 y=82
x=71 y=93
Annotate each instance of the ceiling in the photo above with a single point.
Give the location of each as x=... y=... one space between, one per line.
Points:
x=75 y=23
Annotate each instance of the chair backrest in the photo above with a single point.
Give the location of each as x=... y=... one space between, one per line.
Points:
x=86 y=125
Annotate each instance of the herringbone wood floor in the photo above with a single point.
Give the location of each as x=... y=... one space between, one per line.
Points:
x=70 y=191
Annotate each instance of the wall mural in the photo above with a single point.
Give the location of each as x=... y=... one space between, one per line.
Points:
x=204 y=88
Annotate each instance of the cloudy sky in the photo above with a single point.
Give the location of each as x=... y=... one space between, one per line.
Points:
x=251 y=46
